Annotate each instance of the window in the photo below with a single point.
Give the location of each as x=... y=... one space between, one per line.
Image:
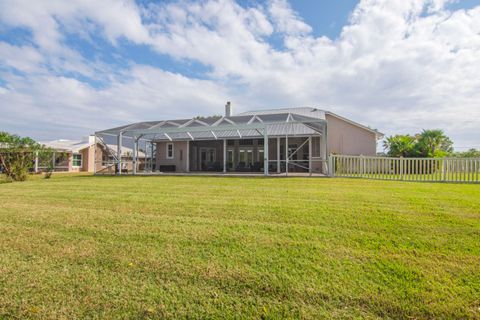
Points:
x=77 y=160
x=246 y=142
x=261 y=154
x=246 y=155
x=242 y=156
x=61 y=159
x=230 y=158
x=207 y=158
x=169 y=150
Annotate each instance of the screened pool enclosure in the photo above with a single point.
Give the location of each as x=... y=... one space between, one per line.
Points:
x=264 y=143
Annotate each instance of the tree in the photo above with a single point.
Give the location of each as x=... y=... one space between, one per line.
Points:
x=434 y=143
x=429 y=144
x=471 y=153
x=400 y=145
x=17 y=155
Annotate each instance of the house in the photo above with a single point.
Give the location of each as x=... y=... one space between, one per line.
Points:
x=272 y=141
x=83 y=155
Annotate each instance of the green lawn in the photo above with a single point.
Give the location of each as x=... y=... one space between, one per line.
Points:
x=205 y=247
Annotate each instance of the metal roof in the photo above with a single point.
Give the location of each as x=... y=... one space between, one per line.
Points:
x=303 y=111
x=68 y=145
x=307 y=121
x=74 y=146
x=315 y=113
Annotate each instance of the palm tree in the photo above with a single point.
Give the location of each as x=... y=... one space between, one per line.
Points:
x=434 y=143
x=400 y=145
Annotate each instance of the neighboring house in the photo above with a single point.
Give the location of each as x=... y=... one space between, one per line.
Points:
x=71 y=155
x=269 y=141
x=83 y=155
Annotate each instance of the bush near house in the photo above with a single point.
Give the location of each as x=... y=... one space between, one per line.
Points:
x=84 y=247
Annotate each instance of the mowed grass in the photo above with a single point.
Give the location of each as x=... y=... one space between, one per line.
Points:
x=206 y=247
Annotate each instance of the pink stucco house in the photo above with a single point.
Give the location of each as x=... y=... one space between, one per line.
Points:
x=273 y=141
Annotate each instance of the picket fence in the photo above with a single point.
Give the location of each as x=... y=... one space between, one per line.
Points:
x=461 y=170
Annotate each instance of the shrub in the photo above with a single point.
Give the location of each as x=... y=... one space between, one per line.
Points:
x=17 y=155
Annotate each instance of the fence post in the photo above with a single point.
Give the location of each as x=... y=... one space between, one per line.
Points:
x=331 y=171
x=444 y=169
x=401 y=168
x=134 y=155
x=476 y=169
x=362 y=166
x=94 y=154
x=36 y=162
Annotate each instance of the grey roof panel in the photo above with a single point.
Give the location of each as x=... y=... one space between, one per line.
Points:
x=290 y=129
x=209 y=120
x=304 y=111
x=278 y=123
x=240 y=119
x=274 y=117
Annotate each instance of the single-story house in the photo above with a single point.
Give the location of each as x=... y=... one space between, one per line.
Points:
x=270 y=141
x=83 y=155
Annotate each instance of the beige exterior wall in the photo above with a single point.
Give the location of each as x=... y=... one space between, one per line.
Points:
x=346 y=138
x=87 y=161
x=71 y=168
x=179 y=155
x=98 y=161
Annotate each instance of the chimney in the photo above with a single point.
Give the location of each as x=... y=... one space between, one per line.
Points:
x=228 y=109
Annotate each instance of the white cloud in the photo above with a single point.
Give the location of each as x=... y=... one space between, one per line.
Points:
x=399 y=65
x=57 y=104
x=22 y=58
x=47 y=18
x=285 y=19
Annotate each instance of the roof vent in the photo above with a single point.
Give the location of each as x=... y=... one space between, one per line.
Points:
x=228 y=109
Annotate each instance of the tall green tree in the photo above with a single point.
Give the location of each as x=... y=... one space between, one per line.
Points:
x=428 y=143
x=17 y=155
x=400 y=145
x=434 y=143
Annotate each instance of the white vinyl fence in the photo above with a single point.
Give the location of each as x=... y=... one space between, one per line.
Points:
x=406 y=169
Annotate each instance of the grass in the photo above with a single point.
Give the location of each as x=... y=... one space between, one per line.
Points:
x=205 y=247
x=456 y=177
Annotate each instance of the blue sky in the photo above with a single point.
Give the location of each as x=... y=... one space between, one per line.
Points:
x=326 y=17
x=70 y=68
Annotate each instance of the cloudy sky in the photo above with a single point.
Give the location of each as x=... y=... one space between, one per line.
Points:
x=68 y=68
